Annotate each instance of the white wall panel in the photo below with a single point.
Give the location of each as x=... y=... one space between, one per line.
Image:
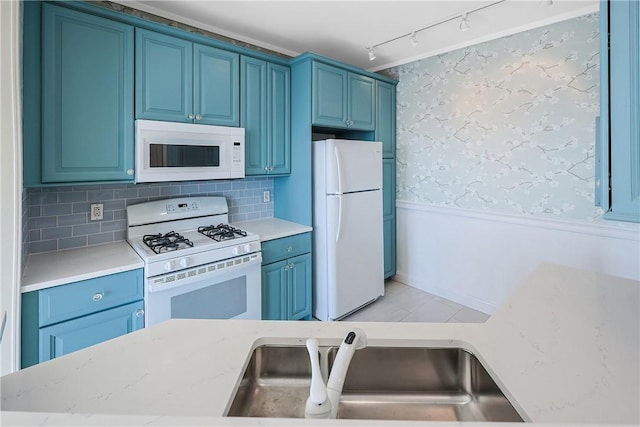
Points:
x=477 y=258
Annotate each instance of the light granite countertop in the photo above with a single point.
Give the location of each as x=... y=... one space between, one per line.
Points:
x=273 y=228
x=48 y=269
x=565 y=349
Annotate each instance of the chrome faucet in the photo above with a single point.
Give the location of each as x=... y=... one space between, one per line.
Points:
x=323 y=400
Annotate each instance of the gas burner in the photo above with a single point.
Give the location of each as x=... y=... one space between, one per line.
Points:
x=221 y=232
x=171 y=241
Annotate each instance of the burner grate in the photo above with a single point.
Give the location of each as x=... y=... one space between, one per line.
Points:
x=221 y=232
x=168 y=242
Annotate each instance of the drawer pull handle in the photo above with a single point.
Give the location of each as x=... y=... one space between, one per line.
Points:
x=139 y=313
x=98 y=296
x=289 y=248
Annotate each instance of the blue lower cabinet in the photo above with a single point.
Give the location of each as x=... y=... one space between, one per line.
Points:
x=67 y=337
x=286 y=278
x=62 y=319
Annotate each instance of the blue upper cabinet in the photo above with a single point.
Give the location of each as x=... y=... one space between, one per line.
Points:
x=164 y=73
x=620 y=108
x=180 y=81
x=386 y=118
x=216 y=86
x=266 y=115
x=87 y=97
x=342 y=99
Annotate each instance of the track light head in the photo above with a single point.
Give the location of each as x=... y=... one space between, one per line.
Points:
x=372 y=55
x=464 y=23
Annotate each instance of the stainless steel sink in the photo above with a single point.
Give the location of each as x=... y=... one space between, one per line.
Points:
x=390 y=383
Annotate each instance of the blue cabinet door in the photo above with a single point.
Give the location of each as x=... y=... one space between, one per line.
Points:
x=389 y=215
x=329 y=94
x=253 y=116
x=273 y=291
x=279 y=120
x=216 y=86
x=67 y=337
x=361 y=112
x=386 y=118
x=299 y=287
x=87 y=97
x=623 y=113
x=164 y=77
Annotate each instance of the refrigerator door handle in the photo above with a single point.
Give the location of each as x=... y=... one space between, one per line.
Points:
x=339 y=219
x=336 y=151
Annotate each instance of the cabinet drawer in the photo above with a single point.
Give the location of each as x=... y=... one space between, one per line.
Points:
x=279 y=249
x=89 y=296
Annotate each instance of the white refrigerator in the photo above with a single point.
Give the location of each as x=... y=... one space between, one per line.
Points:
x=347 y=222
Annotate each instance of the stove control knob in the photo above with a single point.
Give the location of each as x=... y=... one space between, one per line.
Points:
x=168 y=265
x=246 y=248
x=235 y=250
x=184 y=262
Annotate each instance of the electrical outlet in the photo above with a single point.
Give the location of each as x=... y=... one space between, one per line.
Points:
x=266 y=196
x=97 y=211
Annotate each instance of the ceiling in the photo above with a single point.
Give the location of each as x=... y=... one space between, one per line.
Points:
x=343 y=30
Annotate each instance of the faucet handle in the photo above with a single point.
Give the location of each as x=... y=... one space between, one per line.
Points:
x=318 y=390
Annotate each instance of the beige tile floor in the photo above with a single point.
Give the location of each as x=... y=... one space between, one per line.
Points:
x=402 y=303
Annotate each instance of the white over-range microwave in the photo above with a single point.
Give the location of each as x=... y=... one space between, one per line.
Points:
x=167 y=151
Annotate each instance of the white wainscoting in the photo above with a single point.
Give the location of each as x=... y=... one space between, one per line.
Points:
x=478 y=258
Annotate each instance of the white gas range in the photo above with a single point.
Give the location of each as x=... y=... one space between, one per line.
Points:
x=196 y=265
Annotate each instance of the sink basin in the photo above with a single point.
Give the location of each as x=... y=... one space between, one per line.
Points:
x=388 y=383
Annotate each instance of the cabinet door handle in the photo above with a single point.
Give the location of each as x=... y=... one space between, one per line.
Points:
x=198 y=117
x=191 y=116
x=139 y=313
x=130 y=172
x=266 y=168
x=289 y=248
x=98 y=296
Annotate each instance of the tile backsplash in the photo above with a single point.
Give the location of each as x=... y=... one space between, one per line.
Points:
x=58 y=217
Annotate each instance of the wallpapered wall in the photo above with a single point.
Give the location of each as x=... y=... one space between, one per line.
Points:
x=505 y=126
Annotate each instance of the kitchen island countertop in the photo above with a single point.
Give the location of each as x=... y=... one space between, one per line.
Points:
x=564 y=348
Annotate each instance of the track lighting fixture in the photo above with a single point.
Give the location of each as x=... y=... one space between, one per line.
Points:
x=464 y=23
x=463 y=26
x=413 y=40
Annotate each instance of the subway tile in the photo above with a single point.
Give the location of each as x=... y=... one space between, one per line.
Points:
x=113 y=225
x=99 y=195
x=34 y=235
x=189 y=189
x=34 y=211
x=106 y=216
x=148 y=191
x=136 y=201
x=72 y=219
x=56 y=233
x=72 y=196
x=119 y=235
x=59 y=189
x=43 y=246
x=253 y=215
x=209 y=187
x=223 y=186
x=72 y=242
x=113 y=205
x=125 y=193
x=82 y=229
x=42 y=198
x=85 y=187
x=119 y=214
x=57 y=210
x=42 y=222
x=169 y=191
x=81 y=207
x=97 y=239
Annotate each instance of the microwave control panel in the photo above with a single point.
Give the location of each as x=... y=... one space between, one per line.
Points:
x=237 y=154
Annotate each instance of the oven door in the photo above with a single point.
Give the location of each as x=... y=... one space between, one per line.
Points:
x=229 y=289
